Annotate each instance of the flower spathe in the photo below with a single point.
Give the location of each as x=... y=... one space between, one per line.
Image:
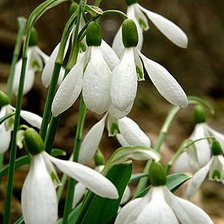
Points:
x=39 y=200
x=215 y=169
x=159 y=205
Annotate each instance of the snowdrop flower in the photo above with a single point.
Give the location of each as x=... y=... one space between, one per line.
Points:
x=199 y=154
x=140 y=16
x=7 y=126
x=159 y=205
x=39 y=200
x=124 y=77
x=94 y=82
x=215 y=169
x=35 y=59
x=130 y=135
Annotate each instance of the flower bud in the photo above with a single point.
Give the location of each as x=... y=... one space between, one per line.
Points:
x=216 y=148
x=129 y=33
x=4 y=100
x=131 y=2
x=33 y=37
x=93 y=34
x=157 y=174
x=74 y=6
x=99 y=158
x=199 y=115
x=33 y=142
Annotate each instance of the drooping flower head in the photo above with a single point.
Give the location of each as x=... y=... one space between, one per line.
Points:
x=159 y=205
x=39 y=200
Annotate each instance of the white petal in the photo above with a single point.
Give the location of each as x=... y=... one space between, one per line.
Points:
x=197 y=180
x=127 y=210
x=42 y=54
x=35 y=61
x=79 y=192
x=119 y=113
x=124 y=81
x=69 y=90
x=126 y=196
x=109 y=55
x=143 y=21
x=139 y=66
x=157 y=211
x=217 y=165
x=132 y=133
x=117 y=45
x=187 y=212
x=97 y=83
x=168 y=28
x=91 y=142
x=29 y=78
x=122 y=140
x=202 y=147
x=93 y=180
x=165 y=83
x=5 y=138
x=31 y=118
x=39 y=200
x=182 y=164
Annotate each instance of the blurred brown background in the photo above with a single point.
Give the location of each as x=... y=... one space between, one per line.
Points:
x=199 y=69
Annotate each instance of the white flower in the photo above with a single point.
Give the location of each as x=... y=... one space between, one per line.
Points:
x=168 y=28
x=95 y=81
x=199 y=154
x=124 y=81
x=39 y=200
x=215 y=169
x=159 y=205
x=7 y=126
x=35 y=59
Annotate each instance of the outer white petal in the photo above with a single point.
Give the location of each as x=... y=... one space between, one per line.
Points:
x=141 y=17
x=39 y=200
x=5 y=138
x=124 y=81
x=202 y=147
x=187 y=212
x=219 y=136
x=132 y=132
x=122 y=140
x=117 y=45
x=42 y=54
x=165 y=83
x=157 y=211
x=182 y=164
x=97 y=83
x=126 y=196
x=115 y=112
x=69 y=90
x=127 y=210
x=33 y=119
x=168 y=28
x=29 y=78
x=79 y=192
x=197 y=180
x=93 y=180
x=109 y=55
x=91 y=142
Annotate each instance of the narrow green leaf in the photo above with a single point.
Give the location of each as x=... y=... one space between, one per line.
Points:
x=102 y=210
x=19 y=221
x=174 y=181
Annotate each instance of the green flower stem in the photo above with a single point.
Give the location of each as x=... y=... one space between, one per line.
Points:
x=162 y=135
x=13 y=150
x=78 y=139
x=55 y=76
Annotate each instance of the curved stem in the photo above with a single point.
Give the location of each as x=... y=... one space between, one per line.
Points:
x=162 y=135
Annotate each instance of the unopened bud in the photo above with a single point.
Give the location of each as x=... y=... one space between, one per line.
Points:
x=93 y=34
x=129 y=33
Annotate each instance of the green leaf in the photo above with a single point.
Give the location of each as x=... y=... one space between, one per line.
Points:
x=19 y=221
x=174 y=181
x=7 y=116
x=202 y=102
x=137 y=176
x=102 y=210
